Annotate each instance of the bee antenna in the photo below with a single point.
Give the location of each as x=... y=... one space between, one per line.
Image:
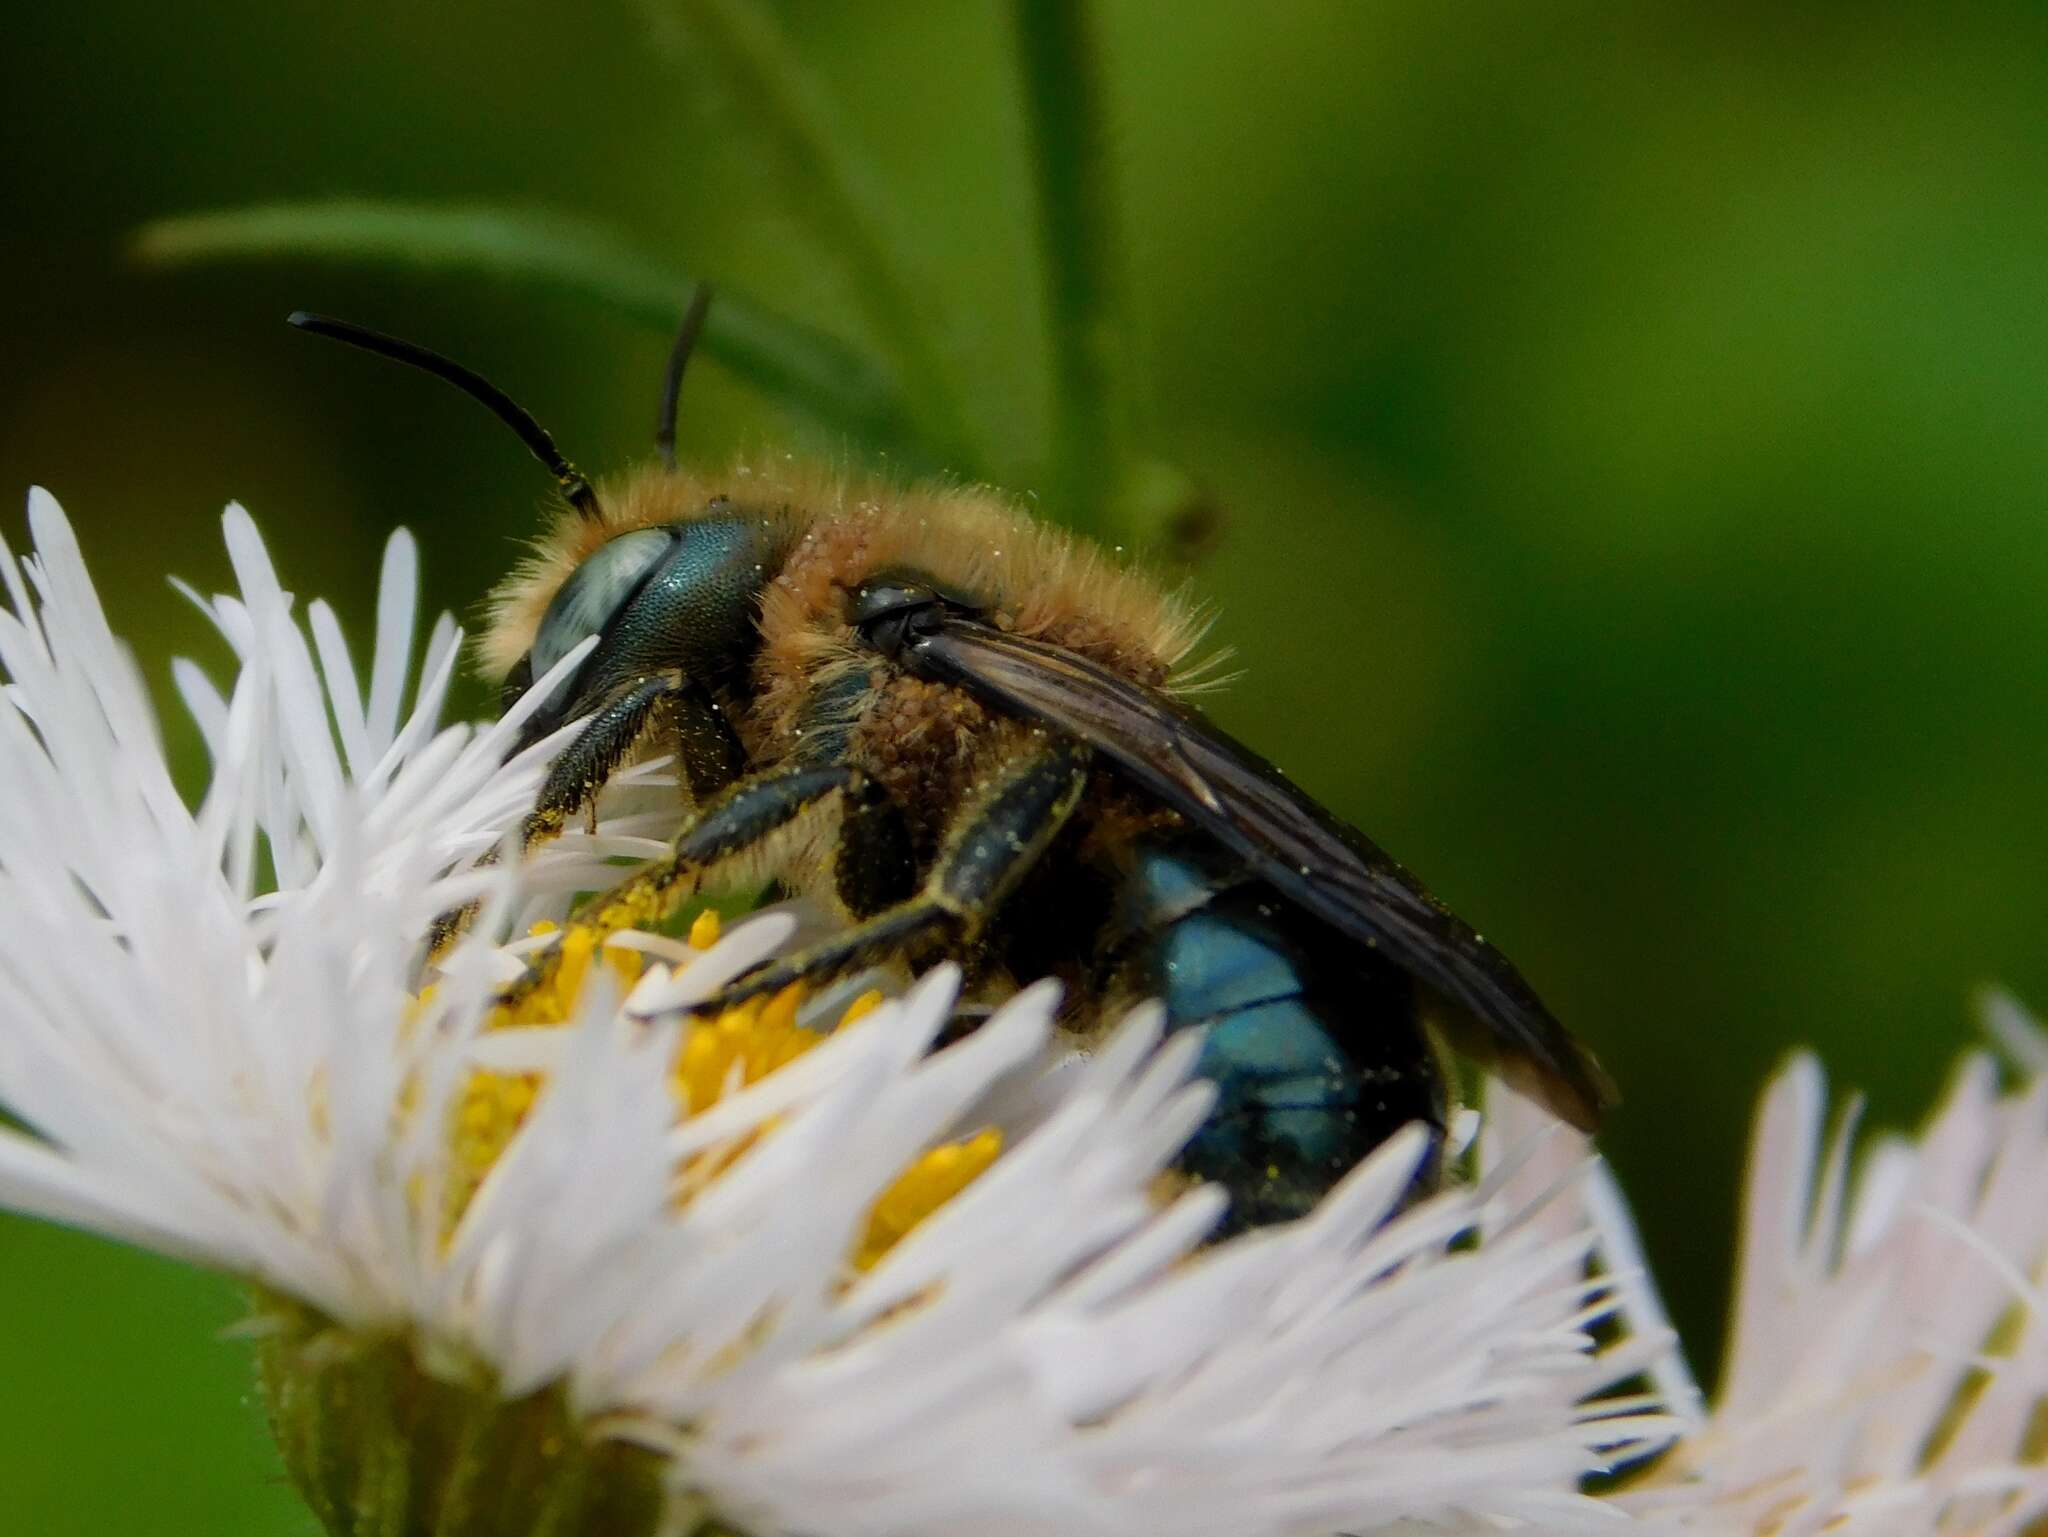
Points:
x=672 y=376
x=578 y=490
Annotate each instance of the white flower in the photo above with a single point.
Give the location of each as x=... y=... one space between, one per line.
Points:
x=214 y=1071
x=693 y=1301
x=1886 y=1369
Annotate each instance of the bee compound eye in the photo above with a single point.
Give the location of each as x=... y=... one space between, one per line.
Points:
x=595 y=592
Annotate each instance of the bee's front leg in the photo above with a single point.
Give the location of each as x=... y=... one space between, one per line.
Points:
x=993 y=843
x=708 y=754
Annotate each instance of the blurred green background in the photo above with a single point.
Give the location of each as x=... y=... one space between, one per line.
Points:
x=1629 y=423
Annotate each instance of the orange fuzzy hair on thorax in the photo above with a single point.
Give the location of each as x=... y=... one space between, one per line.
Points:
x=839 y=526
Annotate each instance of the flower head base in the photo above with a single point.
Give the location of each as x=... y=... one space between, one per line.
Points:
x=375 y=1436
x=597 y=1261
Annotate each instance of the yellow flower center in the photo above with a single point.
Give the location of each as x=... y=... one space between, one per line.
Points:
x=718 y=1053
x=922 y=1189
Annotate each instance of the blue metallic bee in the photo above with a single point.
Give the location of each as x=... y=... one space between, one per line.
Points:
x=961 y=730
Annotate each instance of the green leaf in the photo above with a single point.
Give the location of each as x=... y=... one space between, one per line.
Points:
x=800 y=369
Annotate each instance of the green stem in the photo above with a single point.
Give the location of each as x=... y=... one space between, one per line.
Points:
x=1085 y=303
x=838 y=191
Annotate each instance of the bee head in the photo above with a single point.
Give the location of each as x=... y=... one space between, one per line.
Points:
x=658 y=598
x=595 y=594
x=680 y=598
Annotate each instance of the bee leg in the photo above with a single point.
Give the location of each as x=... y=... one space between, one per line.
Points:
x=710 y=756
x=708 y=750
x=874 y=867
x=735 y=823
x=992 y=845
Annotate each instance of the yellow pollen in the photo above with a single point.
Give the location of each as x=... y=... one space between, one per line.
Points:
x=780 y=1012
x=922 y=1189
x=718 y=1054
x=861 y=1007
x=638 y=907
x=493 y=1106
x=578 y=945
x=738 y=1047
x=319 y=1112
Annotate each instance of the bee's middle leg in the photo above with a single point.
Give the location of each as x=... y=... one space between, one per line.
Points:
x=734 y=824
x=992 y=844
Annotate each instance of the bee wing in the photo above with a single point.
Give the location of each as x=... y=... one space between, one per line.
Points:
x=1315 y=860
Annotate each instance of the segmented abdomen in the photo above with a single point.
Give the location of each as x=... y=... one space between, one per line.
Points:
x=1314 y=1043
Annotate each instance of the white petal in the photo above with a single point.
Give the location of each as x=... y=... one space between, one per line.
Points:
x=1887 y=1363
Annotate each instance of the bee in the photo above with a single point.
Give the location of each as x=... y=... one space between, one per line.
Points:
x=960 y=730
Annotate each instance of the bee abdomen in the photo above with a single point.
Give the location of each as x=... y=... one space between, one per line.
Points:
x=1315 y=1044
